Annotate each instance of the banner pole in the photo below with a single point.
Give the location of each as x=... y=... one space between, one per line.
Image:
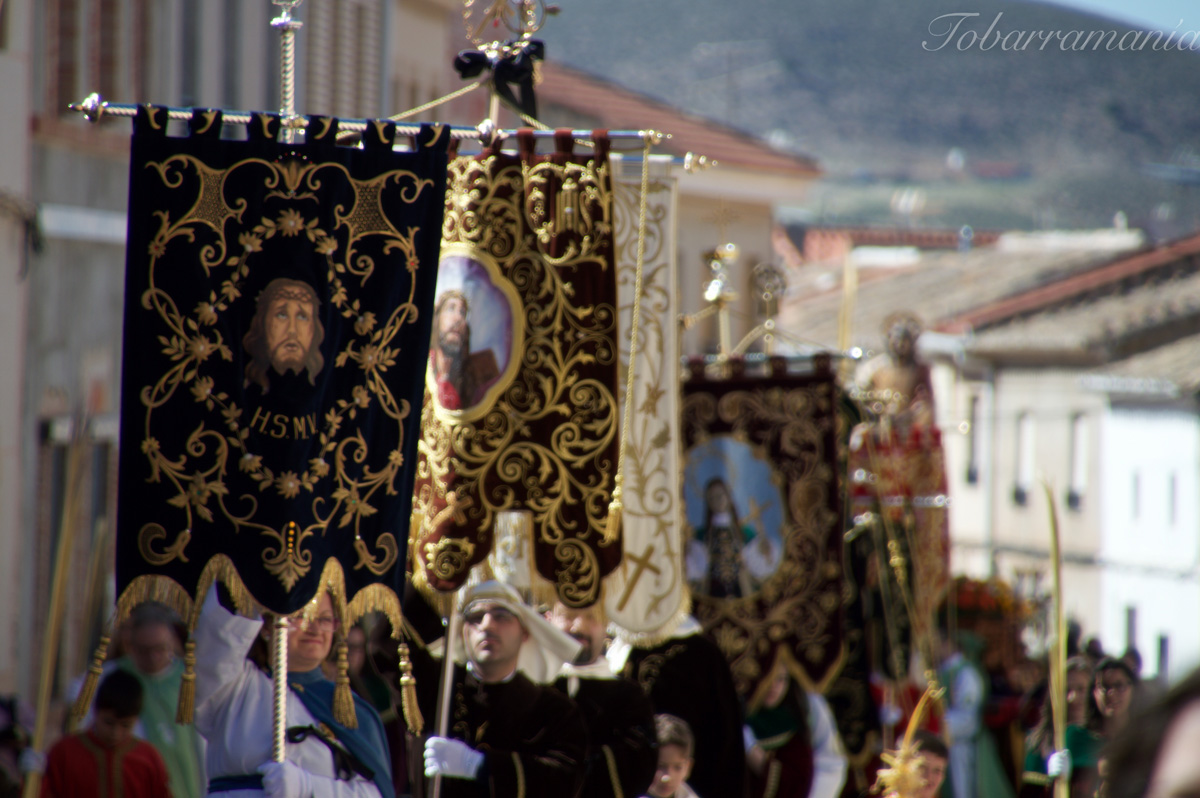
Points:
x=58 y=590
x=447 y=687
x=279 y=665
x=287 y=28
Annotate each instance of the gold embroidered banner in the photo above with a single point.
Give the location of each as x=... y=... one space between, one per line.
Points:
x=268 y=426
x=519 y=412
x=760 y=490
x=647 y=595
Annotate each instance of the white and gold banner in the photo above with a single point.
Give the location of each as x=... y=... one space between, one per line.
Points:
x=647 y=595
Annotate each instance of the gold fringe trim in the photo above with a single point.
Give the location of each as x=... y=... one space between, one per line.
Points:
x=187 y=686
x=343 y=699
x=377 y=598
x=408 y=693
x=166 y=591
x=84 y=700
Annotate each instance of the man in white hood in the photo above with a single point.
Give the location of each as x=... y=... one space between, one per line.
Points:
x=508 y=735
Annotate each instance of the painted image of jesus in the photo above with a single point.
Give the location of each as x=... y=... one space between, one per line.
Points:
x=285 y=334
x=461 y=377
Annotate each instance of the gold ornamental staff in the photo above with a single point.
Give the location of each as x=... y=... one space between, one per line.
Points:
x=1058 y=652
x=58 y=590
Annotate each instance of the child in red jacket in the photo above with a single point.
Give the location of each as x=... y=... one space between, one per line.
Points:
x=107 y=759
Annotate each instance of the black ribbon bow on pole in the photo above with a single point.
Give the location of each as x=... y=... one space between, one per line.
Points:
x=512 y=67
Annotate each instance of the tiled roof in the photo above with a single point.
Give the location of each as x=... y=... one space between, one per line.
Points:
x=1172 y=368
x=1124 y=268
x=938 y=286
x=1106 y=321
x=617 y=108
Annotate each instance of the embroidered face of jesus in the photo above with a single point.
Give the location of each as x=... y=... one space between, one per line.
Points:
x=286 y=332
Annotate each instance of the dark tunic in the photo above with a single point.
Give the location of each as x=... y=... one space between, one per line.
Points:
x=689 y=677
x=622 y=754
x=533 y=737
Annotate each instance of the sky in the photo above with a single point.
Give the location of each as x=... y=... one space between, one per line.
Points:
x=1162 y=15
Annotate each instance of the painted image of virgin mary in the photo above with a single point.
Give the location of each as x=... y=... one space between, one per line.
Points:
x=285 y=334
x=726 y=559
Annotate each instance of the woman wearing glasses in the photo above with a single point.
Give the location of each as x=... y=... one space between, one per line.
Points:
x=1113 y=684
x=234 y=711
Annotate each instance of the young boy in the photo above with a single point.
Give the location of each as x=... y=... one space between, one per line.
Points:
x=675 y=744
x=107 y=759
x=934 y=756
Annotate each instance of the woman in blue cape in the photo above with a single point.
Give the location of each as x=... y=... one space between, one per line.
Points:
x=234 y=711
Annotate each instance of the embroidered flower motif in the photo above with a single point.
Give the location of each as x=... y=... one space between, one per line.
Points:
x=250 y=242
x=200 y=347
x=369 y=358
x=291 y=223
x=206 y=314
x=288 y=485
x=364 y=323
x=202 y=390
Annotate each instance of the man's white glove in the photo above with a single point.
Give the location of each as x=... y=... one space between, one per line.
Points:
x=1059 y=764
x=31 y=761
x=285 y=780
x=451 y=758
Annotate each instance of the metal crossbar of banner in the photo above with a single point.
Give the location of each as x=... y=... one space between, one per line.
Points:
x=95 y=108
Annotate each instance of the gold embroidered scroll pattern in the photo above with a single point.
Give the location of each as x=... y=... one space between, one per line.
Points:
x=192 y=338
x=486 y=210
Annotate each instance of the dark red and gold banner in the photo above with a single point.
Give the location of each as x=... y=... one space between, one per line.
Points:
x=764 y=558
x=277 y=295
x=520 y=418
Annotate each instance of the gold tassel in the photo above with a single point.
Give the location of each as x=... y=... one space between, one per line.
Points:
x=408 y=693
x=612 y=527
x=84 y=700
x=343 y=699
x=187 y=686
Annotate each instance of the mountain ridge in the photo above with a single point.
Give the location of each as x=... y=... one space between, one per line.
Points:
x=891 y=89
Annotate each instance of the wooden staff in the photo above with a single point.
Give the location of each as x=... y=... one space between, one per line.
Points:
x=58 y=590
x=445 y=692
x=1058 y=652
x=849 y=296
